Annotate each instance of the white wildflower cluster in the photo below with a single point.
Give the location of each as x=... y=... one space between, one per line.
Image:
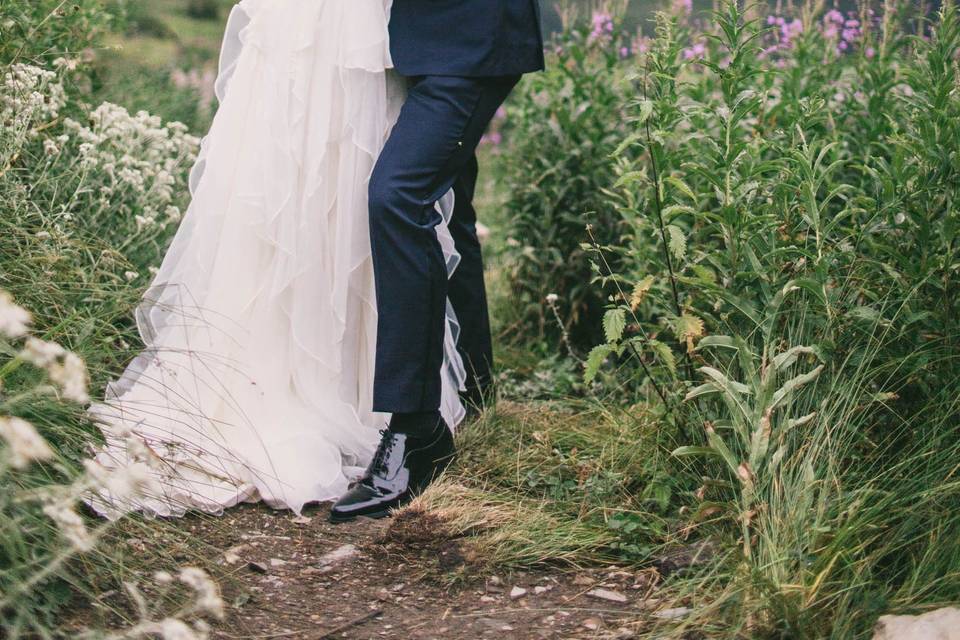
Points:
x=30 y=94
x=125 y=483
x=14 y=320
x=70 y=524
x=64 y=368
x=206 y=602
x=24 y=444
x=136 y=160
x=21 y=446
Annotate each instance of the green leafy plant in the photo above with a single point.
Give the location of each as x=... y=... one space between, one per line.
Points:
x=784 y=289
x=563 y=126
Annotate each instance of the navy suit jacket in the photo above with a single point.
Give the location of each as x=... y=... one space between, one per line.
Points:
x=467 y=38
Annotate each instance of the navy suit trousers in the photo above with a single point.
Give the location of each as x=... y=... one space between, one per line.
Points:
x=432 y=149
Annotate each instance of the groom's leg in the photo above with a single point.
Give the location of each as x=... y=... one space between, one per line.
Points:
x=434 y=139
x=468 y=293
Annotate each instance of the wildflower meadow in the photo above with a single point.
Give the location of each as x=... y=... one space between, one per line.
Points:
x=723 y=247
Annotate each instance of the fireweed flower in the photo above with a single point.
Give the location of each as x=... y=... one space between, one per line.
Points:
x=14 y=320
x=782 y=37
x=697 y=51
x=640 y=44
x=682 y=7
x=24 y=444
x=602 y=26
x=845 y=31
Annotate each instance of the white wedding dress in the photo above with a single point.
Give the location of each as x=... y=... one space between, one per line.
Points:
x=260 y=327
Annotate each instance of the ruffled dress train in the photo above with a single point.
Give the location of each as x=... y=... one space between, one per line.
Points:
x=256 y=381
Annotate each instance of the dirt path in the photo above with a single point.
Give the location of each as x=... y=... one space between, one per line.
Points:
x=307 y=579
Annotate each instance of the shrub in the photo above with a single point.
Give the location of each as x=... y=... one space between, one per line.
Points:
x=787 y=287
x=43 y=30
x=41 y=529
x=88 y=206
x=564 y=125
x=88 y=199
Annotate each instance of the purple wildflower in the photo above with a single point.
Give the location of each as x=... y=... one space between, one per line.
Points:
x=602 y=26
x=682 y=7
x=781 y=38
x=698 y=50
x=845 y=31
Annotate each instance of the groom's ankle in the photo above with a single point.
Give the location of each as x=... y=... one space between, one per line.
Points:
x=420 y=423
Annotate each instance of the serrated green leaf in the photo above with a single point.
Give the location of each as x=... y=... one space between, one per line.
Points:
x=688 y=327
x=682 y=187
x=614 y=322
x=646 y=110
x=627 y=142
x=630 y=177
x=678 y=243
x=664 y=354
x=704 y=274
x=595 y=360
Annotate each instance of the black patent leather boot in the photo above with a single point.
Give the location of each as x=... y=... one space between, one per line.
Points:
x=402 y=467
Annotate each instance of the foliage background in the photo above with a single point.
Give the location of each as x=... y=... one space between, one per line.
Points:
x=724 y=271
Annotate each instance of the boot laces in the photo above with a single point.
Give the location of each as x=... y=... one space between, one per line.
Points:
x=379 y=464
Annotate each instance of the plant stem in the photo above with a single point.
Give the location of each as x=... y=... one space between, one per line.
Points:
x=655 y=171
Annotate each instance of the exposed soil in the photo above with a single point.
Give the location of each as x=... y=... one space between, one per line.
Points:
x=306 y=578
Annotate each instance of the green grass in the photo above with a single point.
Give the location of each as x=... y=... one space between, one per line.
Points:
x=827 y=504
x=555 y=485
x=135 y=67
